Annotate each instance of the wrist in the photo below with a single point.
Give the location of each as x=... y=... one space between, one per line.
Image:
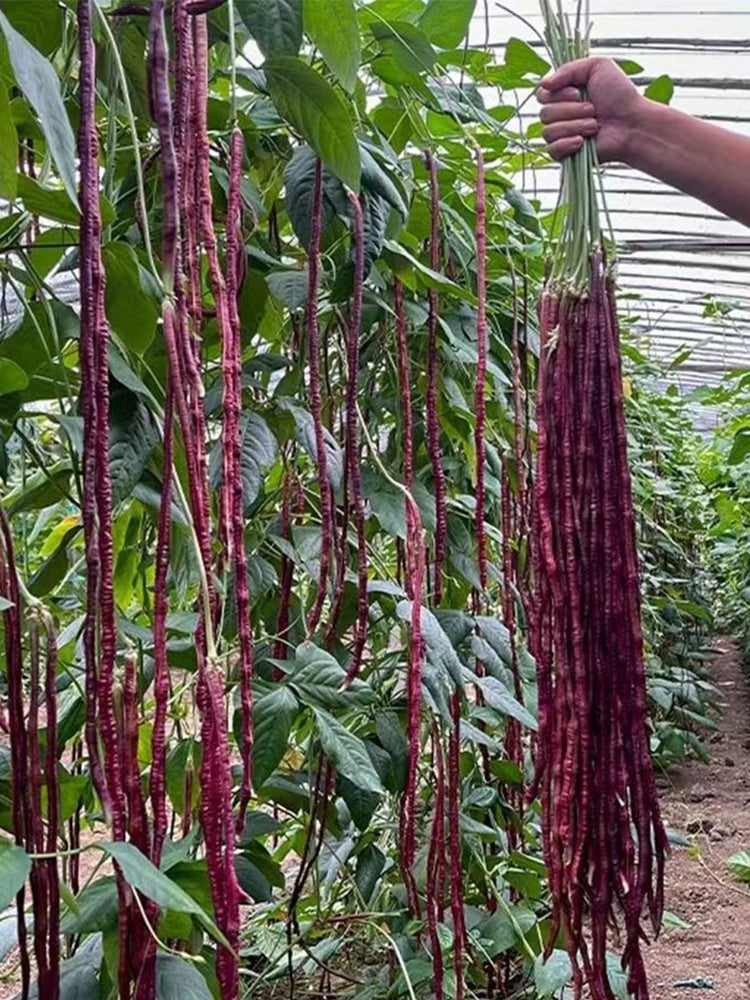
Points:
x=647 y=121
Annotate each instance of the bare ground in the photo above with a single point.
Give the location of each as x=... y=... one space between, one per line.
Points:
x=710 y=805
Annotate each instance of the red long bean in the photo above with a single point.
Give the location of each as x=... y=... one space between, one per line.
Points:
x=232 y=363
x=352 y=438
x=481 y=375
x=316 y=405
x=433 y=426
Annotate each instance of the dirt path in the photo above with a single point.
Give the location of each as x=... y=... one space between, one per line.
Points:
x=710 y=805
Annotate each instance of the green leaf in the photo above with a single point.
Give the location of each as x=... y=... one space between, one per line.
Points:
x=178 y=979
x=502 y=928
x=318 y=680
x=445 y=22
x=179 y=759
x=45 y=202
x=40 y=490
x=299 y=178
x=405 y=261
x=40 y=85
x=95 y=908
x=12 y=377
x=305 y=434
x=739 y=865
x=672 y=921
x=629 y=66
x=520 y=58
x=332 y=27
x=15 y=867
x=661 y=89
x=312 y=106
x=276 y=25
x=740 y=448
x=252 y=880
x=8 y=148
x=258 y=453
x=50 y=246
x=405 y=46
x=346 y=752
x=131 y=303
x=551 y=976
x=289 y=287
x=52 y=571
x=273 y=715
x=440 y=651
x=360 y=803
x=258 y=824
x=79 y=975
x=499 y=697
x=618 y=978
x=37 y=22
x=377 y=180
x=141 y=874
x=370 y=865
x=132 y=436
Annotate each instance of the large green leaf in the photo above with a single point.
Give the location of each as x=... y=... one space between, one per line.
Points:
x=141 y=874
x=39 y=82
x=289 y=287
x=15 y=866
x=8 y=148
x=346 y=752
x=403 y=261
x=258 y=455
x=551 y=976
x=370 y=865
x=42 y=489
x=298 y=188
x=440 y=650
x=178 y=979
x=38 y=21
x=131 y=302
x=499 y=697
x=377 y=180
x=312 y=106
x=273 y=715
x=53 y=569
x=276 y=25
x=445 y=22
x=739 y=865
x=29 y=340
x=318 y=679
x=521 y=59
x=502 y=927
x=79 y=975
x=95 y=908
x=332 y=27
x=360 y=802
x=305 y=434
x=252 y=880
x=661 y=89
x=12 y=377
x=132 y=436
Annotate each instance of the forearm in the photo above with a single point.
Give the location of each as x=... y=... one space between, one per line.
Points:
x=697 y=157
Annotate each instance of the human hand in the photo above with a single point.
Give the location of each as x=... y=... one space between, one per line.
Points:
x=609 y=111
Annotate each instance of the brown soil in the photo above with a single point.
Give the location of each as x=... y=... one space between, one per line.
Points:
x=710 y=805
